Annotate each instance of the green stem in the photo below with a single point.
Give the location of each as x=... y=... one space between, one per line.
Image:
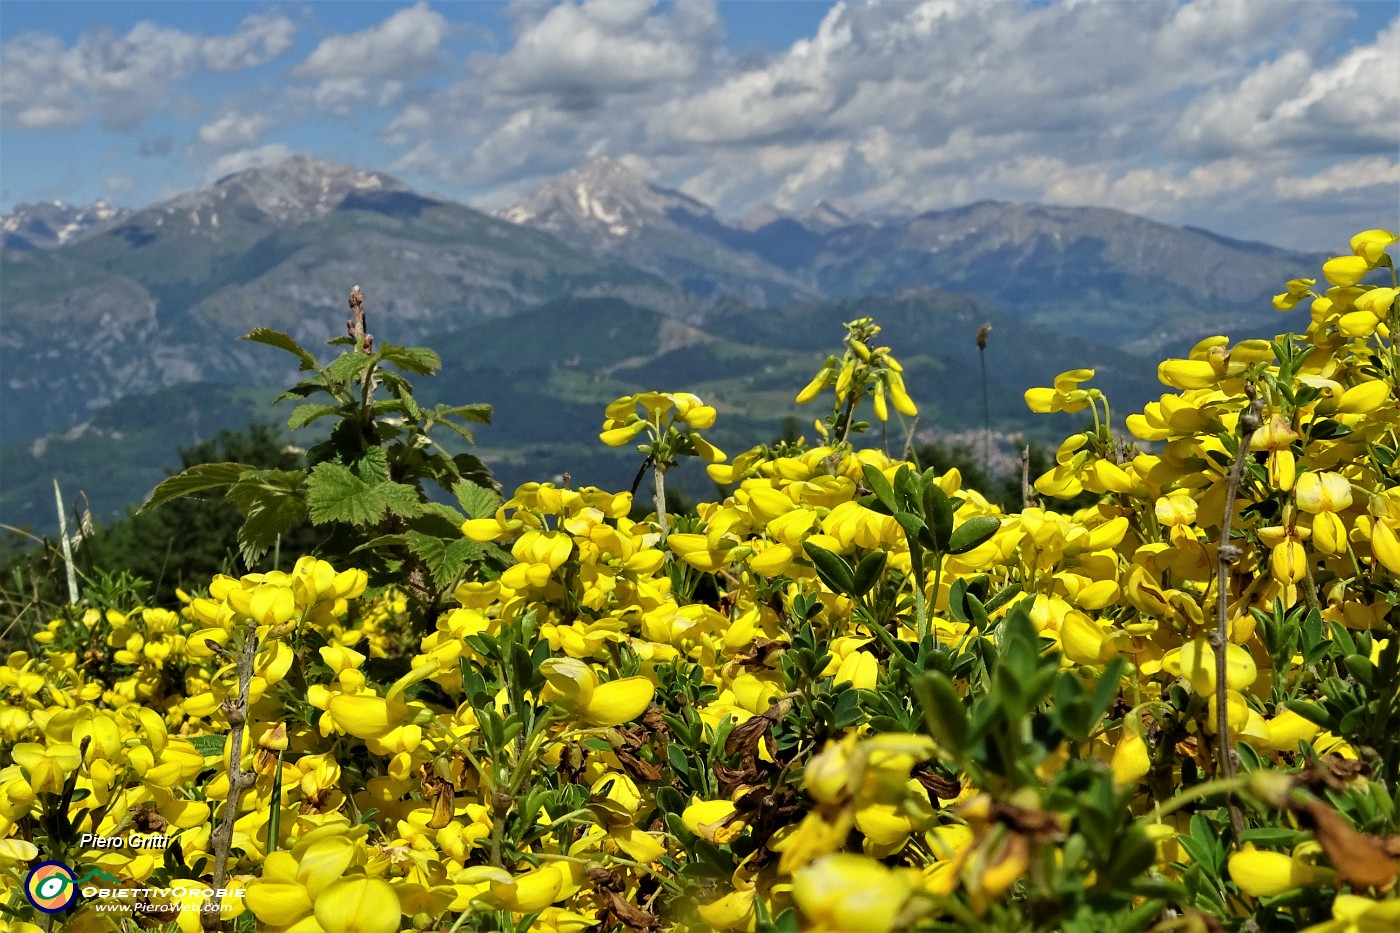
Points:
x=1205 y=789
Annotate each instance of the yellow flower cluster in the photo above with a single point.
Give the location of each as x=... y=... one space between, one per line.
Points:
x=710 y=725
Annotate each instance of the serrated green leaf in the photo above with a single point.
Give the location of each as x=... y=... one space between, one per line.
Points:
x=420 y=360
x=196 y=478
x=209 y=745
x=303 y=415
x=275 y=338
x=479 y=412
x=476 y=500
x=347 y=366
x=271 y=507
x=973 y=532
x=394 y=540
x=373 y=466
x=457 y=429
x=445 y=512
x=445 y=558
x=334 y=494
x=403 y=391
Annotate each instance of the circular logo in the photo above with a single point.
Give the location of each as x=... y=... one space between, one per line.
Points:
x=51 y=887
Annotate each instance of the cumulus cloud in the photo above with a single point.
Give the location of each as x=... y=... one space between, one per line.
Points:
x=262 y=37
x=371 y=68
x=580 y=52
x=121 y=80
x=1373 y=174
x=405 y=43
x=244 y=159
x=233 y=129
x=1351 y=105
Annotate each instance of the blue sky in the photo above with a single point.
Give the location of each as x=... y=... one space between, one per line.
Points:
x=1263 y=119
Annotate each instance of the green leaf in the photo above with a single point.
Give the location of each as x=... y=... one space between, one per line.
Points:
x=945 y=712
x=832 y=570
x=272 y=505
x=446 y=513
x=209 y=745
x=381 y=541
x=373 y=466
x=401 y=390
x=334 y=494
x=446 y=559
x=196 y=478
x=973 y=532
x=347 y=366
x=480 y=413
x=1311 y=712
x=420 y=360
x=868 y=572
x=914 y=527
x=303 y=415
x=458 y=430
x=476 y=500
x=938 y=512
x=275 y=338
x=884 y=493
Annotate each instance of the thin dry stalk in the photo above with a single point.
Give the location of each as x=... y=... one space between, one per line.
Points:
x=1027 y=500
x=239 y=781
x=1227 y=553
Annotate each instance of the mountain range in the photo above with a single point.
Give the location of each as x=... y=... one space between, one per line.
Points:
x=597 y=285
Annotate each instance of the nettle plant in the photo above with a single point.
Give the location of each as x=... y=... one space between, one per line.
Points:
x=849 y=695
x=368 y=482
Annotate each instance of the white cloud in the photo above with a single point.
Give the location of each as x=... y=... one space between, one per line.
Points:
x=1350 y=105
x=1377 y=174
x=233 y=129
x=121 y=80
x=579 y=52
x=261 y=38
x=405 y=43
x=244 y=159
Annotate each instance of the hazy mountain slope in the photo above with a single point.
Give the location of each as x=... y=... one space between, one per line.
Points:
x=550 y=372
x=1143 y=286
x=158 y=299
x=1130 y=281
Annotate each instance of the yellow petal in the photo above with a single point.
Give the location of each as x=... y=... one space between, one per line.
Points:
x=358 y=905
x=1363 y=397
x=1261 y=874
x=530 y=892
x=570 y=678
x=1187 y=374
x=365 y=716
x=324 y=862
x=1386 y=546
x=619 y=701
x=1370 y=244
x=710 y=820
x=1345 y=270
x=278 y=905
x=1130 y=762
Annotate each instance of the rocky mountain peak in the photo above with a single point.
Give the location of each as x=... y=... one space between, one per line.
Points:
x=602 y=196
x=53 y=223
x=295 y=190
